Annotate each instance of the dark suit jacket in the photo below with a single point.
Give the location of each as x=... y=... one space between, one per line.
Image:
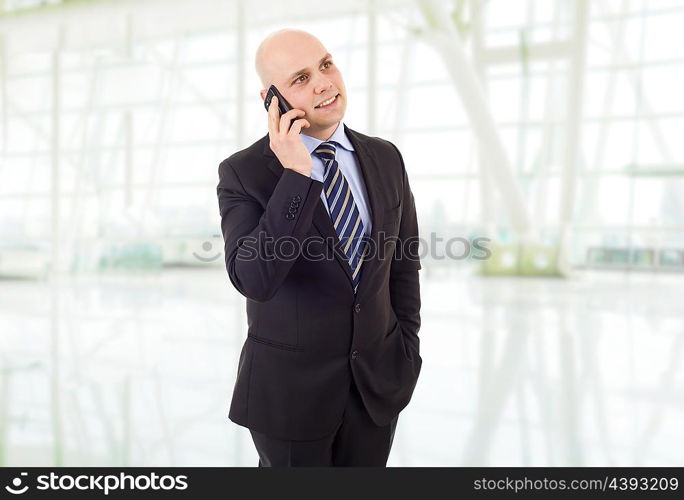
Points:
x=308 y=333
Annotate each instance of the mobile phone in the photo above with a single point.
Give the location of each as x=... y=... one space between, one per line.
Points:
x=283 y=105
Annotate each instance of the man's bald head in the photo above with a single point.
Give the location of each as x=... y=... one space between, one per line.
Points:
x=304 y=73
x=273 y=52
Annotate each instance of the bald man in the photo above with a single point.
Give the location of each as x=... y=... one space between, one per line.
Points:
x=321 y=237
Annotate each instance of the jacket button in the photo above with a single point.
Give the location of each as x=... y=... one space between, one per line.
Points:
x=354 y=354
x=357 y=308
x=297 y=199
x=289 y=216
x=292 y=210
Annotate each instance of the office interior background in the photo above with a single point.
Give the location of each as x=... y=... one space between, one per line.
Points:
x=551 y=127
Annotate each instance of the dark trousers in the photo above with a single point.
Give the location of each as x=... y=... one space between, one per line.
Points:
x=357 y=442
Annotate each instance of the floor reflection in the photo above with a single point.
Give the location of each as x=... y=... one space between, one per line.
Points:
x=139 y=370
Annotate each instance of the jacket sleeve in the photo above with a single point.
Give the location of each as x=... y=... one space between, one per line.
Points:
x=404 y=284
x=251 y=233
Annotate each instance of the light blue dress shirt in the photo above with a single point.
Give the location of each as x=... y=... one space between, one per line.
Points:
x=349 y=166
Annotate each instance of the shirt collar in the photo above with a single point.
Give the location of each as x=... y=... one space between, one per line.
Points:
x=339 y=136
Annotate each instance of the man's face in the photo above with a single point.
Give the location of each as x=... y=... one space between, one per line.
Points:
x=306 y=76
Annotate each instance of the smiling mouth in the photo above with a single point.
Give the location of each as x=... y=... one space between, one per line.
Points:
x=327 y=103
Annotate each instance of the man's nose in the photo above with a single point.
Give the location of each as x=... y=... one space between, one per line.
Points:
x=323 y=84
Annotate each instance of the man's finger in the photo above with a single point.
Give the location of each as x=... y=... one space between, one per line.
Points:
x=288 y=117
x=298 y=125
x=273 y=115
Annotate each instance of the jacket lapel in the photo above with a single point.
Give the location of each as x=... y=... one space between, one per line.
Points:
x=323 y=222
x=321 y=219
x=370 y=171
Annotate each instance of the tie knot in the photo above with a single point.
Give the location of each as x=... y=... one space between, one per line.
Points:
x=326 y=151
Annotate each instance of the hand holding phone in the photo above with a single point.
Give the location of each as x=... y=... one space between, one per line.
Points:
x=284 y=126
x=283 y=105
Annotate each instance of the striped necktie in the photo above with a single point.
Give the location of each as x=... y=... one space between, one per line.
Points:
x=343 y=211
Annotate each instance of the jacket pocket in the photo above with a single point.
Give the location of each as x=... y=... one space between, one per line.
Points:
x=271 y=343
x=276 y=320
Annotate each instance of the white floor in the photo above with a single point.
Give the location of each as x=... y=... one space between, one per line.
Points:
x=139 y=370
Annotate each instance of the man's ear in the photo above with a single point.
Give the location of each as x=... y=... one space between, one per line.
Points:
x=263 y=93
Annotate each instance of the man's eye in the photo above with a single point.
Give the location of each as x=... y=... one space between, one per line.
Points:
x=327 y=63
x=300 y=78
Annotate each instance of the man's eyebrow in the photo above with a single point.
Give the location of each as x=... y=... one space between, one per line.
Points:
x=301 y=71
